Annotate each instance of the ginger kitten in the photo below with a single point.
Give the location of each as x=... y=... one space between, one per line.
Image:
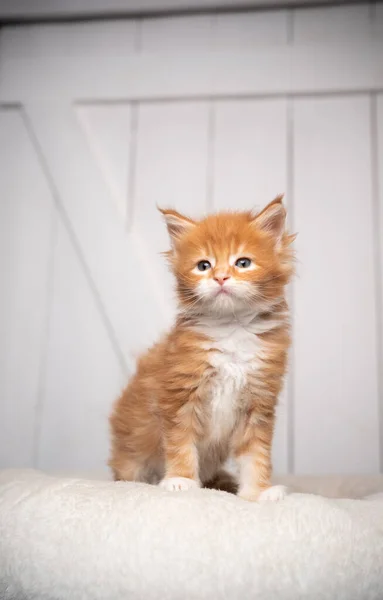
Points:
x=208 y=390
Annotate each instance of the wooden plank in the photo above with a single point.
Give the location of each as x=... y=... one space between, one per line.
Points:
x=145 y=76
x=335 y=361
x=24 y=9
x=379 y=230
x=177 y=34
x=249 y=153
x=250 y=29
x=378 y=37
x=249 y=170
x=333 y=24
x=70 y=40
x=109 y=256
x=108 y=129
x=26 y=221
x=378 y=22
x=336 y=68
x=171 y=171
x=83 y=376
x=273 y=70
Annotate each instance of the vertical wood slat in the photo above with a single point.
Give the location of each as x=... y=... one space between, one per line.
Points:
x=249 y=153
x=107 y=129
x=379 y=189
x=335 y=363
x=26 y=221
x=82 y=376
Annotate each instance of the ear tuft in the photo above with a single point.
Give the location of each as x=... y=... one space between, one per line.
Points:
x=176 y=223
x=272 y=218
x=291 y=238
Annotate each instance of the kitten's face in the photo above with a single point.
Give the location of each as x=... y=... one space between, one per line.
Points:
x=230 y=262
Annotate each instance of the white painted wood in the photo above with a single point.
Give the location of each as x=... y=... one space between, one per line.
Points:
x=25 y=246
x=56 y=8
x=171 y=172
x=377 y=27
x=335 y=363
x=250 y=29
x=83 y=375
x=379 y=182
x=177 y=34
x=259 y=72
x=249 y=153
x=333 y=24
x=69 y=40
x=338 y=68
x=280 y=454
x=145 y=76
x=378 y=22
x=249 y=170
x=108 y=130
x=109 y=255
x=79 y=79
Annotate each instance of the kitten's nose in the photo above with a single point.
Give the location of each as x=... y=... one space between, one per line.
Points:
x=221 y=279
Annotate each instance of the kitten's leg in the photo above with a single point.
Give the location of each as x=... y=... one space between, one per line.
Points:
x=254 y=461
x=126 y=469
x=181 y=460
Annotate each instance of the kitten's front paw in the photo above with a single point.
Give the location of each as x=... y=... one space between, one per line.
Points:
x=178 y=484
x=275 y=493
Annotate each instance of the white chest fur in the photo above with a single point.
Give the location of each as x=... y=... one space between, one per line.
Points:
x=233 y=351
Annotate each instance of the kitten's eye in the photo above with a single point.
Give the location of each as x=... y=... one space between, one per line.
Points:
x=203 y=265
x=243 y=263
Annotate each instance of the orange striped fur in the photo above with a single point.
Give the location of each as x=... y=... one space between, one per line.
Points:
x=208 y=390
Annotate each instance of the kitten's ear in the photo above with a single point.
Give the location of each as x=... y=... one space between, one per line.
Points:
x=176 y=223
x=272 y=218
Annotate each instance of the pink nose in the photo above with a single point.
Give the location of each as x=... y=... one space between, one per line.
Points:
x=221 y=280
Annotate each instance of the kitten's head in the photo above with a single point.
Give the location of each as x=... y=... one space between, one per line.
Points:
x=230 y=262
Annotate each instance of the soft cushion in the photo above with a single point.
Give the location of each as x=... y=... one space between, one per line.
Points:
x=98 y=540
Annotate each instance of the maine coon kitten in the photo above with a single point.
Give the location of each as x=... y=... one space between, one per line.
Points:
x=208 y=390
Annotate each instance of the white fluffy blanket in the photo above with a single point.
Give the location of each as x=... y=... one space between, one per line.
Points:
x=80 y=539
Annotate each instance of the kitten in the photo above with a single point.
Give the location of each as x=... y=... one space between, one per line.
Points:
x=208 y=390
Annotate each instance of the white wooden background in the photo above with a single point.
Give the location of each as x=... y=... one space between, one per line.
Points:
x=98 y=123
